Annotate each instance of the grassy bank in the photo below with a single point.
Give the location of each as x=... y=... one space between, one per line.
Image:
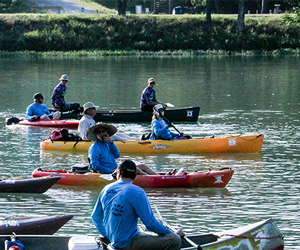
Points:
x=105 y=34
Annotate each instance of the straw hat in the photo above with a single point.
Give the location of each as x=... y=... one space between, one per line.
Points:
x=111 y=130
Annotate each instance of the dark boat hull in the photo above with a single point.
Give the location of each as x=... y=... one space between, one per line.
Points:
x=189 y=114
x=264 y=235
x=46 y=225
x=31 y=185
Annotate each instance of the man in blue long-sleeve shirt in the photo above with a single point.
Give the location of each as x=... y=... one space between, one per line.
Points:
x=103 y=152
x=118 y=209
x=38 y=110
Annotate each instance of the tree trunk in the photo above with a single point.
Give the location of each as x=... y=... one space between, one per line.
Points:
x=208 y=21
x=122 y=5
x=241 y=17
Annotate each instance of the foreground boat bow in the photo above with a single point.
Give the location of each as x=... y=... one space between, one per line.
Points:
x=264 y=235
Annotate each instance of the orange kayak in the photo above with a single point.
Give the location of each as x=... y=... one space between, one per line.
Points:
x=161 y=180
x=225 y=144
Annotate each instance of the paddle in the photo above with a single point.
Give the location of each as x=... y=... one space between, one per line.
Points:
x=173 y=229
x=170 y=105
x=170 y=123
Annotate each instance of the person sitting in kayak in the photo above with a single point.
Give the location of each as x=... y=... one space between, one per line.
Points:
x=87 y=120
x=160 y=129
x=38 y=110
x=103 y=152
x=58 y=97
x=119 y=207
x=148 y=98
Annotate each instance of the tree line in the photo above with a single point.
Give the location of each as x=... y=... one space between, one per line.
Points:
x=200 y=6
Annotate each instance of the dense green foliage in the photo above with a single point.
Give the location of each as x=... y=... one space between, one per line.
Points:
x=17 y=6
x=147 y=33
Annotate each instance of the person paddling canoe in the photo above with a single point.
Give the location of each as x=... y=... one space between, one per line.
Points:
x=148 y=98
x=58 y=97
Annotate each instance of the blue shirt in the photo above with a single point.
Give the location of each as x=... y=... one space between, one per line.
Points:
x=161 y=129
x=117 y=210
x=58 y=95
x=103 y=156
x=148 y=95
x=36 y=109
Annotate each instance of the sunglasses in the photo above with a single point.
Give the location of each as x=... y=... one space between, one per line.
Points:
x=152 y=83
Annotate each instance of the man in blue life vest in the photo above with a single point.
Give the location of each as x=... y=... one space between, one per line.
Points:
x=116 y=213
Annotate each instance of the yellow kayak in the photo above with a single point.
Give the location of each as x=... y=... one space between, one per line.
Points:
x=225 y=144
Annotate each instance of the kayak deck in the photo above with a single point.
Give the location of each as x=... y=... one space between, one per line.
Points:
x=224 y=144
x=209 y=178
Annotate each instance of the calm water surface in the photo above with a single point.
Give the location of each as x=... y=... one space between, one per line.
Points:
x=236 y=95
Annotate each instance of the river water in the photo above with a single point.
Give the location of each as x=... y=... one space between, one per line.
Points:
x=236 y=95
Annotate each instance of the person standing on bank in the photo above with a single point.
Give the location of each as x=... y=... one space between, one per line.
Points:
x=103 y=152
x=87 y=120
x=116 y=213
x=58 y=97
x=39 y=110
x=148 y=98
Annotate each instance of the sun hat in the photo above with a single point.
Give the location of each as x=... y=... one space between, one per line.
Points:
x=64 y=77
x=151 y=80
x=157 y=108
x=89 y=105
x=111 y=130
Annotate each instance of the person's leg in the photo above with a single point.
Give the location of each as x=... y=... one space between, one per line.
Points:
x=144 y=169
x=44 y=117
x=145 y=241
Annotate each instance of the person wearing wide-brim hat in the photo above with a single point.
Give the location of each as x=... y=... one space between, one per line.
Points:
x=103 y=152
x=87 y=120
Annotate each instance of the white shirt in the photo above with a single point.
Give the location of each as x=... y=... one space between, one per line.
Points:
x=85 y=122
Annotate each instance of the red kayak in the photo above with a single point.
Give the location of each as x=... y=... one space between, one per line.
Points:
x=67 y=123
x=161 y=180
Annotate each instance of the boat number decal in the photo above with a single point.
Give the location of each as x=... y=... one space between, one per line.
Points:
x=110 y=115
x=11 y=223
x=57 y=145
x=160 y=146
x=232 y=142
x=219 y=179
x=189 y=113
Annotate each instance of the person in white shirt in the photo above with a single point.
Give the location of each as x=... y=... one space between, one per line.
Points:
x=87 y=120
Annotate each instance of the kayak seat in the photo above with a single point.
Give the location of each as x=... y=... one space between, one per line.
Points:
x=146 y=136
x=80 y=168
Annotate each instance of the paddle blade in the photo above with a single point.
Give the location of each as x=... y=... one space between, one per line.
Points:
x=170 y=105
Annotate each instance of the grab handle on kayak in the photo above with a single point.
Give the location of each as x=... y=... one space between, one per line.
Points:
x=144 y=142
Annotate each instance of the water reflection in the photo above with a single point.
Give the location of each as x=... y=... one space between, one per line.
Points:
x=236 y=95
